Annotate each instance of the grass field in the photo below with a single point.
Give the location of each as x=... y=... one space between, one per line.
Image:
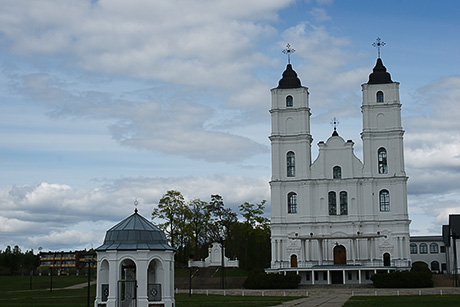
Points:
x=406 y=301
x=14 y=291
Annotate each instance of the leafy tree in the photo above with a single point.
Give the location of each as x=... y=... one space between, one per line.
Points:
x=256 y=228
x=199 y=218
x=14 y=261
x=221 y=219
x=171 y=209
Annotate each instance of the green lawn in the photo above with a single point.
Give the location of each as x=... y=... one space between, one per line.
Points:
x=198 y=300
x=16 y=283
x=406 y=301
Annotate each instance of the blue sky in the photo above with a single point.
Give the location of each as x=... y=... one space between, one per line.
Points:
x=103 y=102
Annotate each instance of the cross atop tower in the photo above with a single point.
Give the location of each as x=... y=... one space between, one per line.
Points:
x=288 y=51
x=335 y=123
x=135 y=205
x=378 y=44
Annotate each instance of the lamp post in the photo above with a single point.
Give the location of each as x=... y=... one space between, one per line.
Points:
x=51 y=278
x=222 y=277
x=89 y=281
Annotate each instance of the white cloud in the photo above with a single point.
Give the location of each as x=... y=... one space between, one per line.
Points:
x=58 y=216
x=202 y=43
x=319 y=14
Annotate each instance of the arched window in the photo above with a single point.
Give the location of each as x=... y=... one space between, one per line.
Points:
x=423 y=248
x=293 y=261
x=289 y=101
x=337 y=172
x=343 y=203
x=379 y=96
x=384 y=196
x=292 y=202
x=290 y=161
x=413 y=248
x=386 y=259
x=434 y=248
x=435 y=266
x=382 y=155
x=332 y=203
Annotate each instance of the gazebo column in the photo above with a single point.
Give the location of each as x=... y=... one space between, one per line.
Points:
x=141 y=276
x=114 y=277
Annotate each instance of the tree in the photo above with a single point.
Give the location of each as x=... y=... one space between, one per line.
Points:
x=199 y=218
x=256 y=230
x=252 y=214
x=170 y=208
x=221 y=219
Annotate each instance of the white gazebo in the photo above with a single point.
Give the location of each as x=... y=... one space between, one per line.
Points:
x=135 y=266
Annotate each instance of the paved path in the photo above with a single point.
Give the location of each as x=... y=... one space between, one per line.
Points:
x=336 y=297
x=80 y=286
x=328 y=296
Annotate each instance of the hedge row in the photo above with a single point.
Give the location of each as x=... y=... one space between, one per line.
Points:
x=403 y=279
x=259 y=279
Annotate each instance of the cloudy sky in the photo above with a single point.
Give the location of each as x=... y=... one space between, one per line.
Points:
x=106 y=101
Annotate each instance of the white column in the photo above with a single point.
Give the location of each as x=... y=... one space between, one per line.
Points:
x=369 y=250
x=320 y=247
x=303 y=251
x=359 y=276
x=281 y=255
x=352 y=250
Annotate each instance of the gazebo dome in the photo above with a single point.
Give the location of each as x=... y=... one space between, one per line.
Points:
x=135 y=233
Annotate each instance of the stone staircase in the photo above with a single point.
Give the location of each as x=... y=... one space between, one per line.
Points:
x=205 y=278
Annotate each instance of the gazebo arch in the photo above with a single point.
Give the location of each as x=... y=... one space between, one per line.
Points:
x=155 y=273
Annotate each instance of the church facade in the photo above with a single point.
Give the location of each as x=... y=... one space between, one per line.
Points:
x=338 y=219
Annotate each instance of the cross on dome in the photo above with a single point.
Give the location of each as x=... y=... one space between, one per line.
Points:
x=288 y=52
x=378 y=44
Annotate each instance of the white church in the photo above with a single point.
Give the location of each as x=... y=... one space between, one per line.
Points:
x=338 y=219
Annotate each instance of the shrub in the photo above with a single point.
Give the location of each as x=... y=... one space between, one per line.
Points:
x=259 y=279
x=420 y=266
x=403 y=279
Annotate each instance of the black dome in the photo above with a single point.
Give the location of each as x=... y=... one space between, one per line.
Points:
x=379 y=74
x=290 y=79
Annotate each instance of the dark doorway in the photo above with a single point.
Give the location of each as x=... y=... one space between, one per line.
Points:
x=337 y=277
x=293 y=261
x=386 y=259
x=340 y=254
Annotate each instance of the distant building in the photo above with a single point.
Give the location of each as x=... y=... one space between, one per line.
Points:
x=214 y=258
x=451 y=237
x=440 y=253
x=64 y=261
x=430 y=250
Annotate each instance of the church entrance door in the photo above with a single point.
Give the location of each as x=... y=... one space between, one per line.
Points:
x=293 y=261
x=340 y=254
x=337 y=277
